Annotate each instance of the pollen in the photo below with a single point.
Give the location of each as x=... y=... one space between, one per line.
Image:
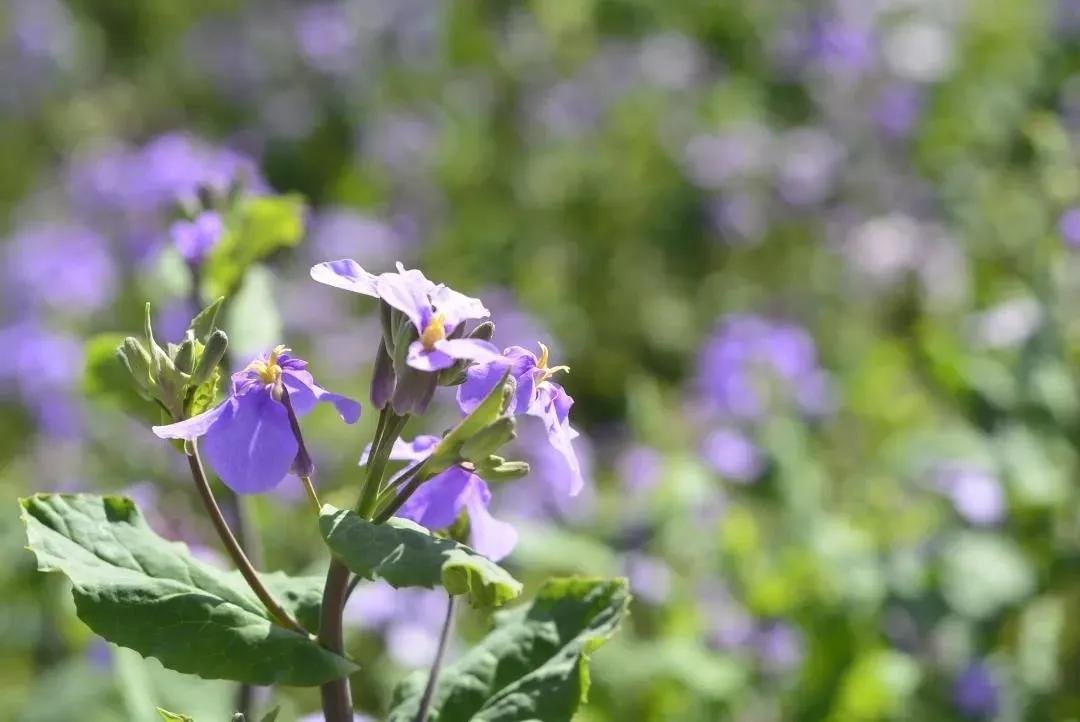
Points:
x=269 y=370
x=434 y=332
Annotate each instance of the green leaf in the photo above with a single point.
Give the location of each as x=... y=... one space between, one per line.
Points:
x=272 y=715
x=205 y=321
x=533 y=666
x=140 y=591
x=407 y=555
x=168 y=716
x=258 y=227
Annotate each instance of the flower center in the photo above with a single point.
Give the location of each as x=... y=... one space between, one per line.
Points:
x=542 y=365
x=269 y=371
x=434 y=332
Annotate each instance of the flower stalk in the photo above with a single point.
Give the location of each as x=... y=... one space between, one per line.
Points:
x=232 y=546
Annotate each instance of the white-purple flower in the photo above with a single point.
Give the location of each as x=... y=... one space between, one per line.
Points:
x=437 y=502
x=536 y=395
x=248 y=439
x=436 y=311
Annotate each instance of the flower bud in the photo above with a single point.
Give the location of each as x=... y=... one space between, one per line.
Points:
x=382 y=378
x=488 y=440
x=495 y=468
x=211 y=356
x=184 y=359
x=137 y=361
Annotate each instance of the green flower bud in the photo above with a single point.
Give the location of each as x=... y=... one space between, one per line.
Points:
x=488 y=440
x=211 y=356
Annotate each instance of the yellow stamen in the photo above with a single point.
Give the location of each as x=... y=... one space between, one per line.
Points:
x=434 y=332
x=542 y=364
x=269 y=371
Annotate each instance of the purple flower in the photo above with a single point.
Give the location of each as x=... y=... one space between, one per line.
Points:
x=248 y=439
x=195 y=238
x=640 y=468
x=64 y=267
x=732 y=455
x=751 y=363
x=1069 y=227
x=436 y=311
x=975 y=693
x=650 y=577
x=409 y=619
x=536 y=395
x=779 y=646
x=439 y=500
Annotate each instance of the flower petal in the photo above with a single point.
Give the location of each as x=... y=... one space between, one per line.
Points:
x=194 y=427
x=493 y=538
x=552 y=406
x=251 y=447
x=346 y=274
x=439 y=500
x=415 y=450
x=304 y=393
x=472 y=349
x=406 y=293
x=457 y=307
x=423 y=360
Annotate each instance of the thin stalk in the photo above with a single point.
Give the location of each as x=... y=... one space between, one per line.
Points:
x=313 y=497
x=232 y=546
x=436 y=665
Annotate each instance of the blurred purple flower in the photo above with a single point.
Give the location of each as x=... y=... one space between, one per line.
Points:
x=248 y=439
x=779 y=646
x=732 y=455
x=327 y=37
x=898 y=108
x=1069 y=227
x=43 y=30
x=65 y=268
x=712 y=161
x=650 y=577
x=343 y=232
x=750 y=363
x=409 y=619
x=195 y=239
x=976 y=692
x=838 y=46
x=536 y=395
x=807 y=163
x=640 y=468
x=439 y=500
x=976 y=495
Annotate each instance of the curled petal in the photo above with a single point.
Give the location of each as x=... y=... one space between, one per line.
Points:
x=481 y=378
x=251 y=446
x=194 y=427
x=304 y=393
x=472 y=349
x=346 y=274
x=551 y=407
x=457 y=307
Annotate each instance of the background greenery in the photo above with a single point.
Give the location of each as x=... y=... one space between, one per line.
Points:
x=893 y=534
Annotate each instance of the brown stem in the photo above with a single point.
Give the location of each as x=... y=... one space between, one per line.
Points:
x=336 y=695
x=233 y=547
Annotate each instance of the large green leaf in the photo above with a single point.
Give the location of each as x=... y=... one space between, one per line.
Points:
x=407 y=555
x=140 y=591
x=533 y=666
x=258 y=227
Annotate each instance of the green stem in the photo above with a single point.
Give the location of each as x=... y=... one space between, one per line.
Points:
x=436 y=665
x=392 y=426
x=232 y=546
